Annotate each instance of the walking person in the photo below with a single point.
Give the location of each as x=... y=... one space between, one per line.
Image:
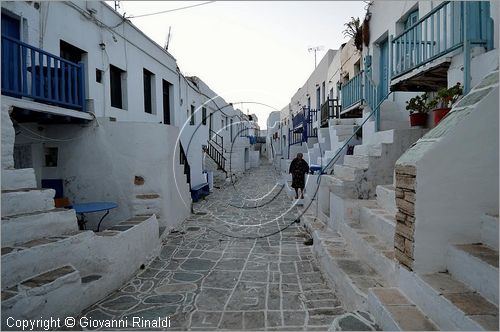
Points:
x=298 y=169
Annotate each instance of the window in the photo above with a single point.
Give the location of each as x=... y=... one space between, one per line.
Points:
x=204 y=116
x=323 y=91
x=231 y=132
x=318 y=98
x=166 y=101
x=226 y=122
x=70 y=52
x=147 y=77
x=192 y=119
x=98 y=75
x=51 y=157
x=115 y=77
x=412 y=19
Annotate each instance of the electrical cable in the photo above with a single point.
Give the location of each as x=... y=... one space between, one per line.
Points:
x=171 y=10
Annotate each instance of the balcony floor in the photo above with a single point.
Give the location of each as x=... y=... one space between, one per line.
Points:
x=427 y=78
x=32 y=111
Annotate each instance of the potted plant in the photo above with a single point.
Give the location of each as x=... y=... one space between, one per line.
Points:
x=418 y=107
x=444 y=100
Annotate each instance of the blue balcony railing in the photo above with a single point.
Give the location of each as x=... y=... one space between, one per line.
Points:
x=352 y=91
x=440 y=32
x=298 y=120
x=28 y=71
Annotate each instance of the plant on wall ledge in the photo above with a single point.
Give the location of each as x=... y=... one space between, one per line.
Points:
x=418 y=106
x=354 y=30
x=444 y=101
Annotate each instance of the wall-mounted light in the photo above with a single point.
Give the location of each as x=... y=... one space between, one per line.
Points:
x=103 y=46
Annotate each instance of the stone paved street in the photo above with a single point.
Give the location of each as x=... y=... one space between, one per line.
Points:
x=220 y=270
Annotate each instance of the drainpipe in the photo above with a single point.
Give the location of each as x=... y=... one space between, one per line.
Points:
x=467 y=48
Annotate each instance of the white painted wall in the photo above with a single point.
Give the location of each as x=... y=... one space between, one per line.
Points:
x=457 y=181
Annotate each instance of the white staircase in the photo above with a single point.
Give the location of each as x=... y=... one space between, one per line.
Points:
x=46 y=260
x=372 y=164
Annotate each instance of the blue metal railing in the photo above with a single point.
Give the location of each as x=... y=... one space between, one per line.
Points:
x=28 y=71
x=440 y=32
x=312 y=116
x=352 y=91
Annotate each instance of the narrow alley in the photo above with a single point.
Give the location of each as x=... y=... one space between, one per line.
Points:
x=239 y=262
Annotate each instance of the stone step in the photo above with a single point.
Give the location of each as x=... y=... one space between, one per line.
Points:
x=489 y=230
x=31 y=226
x=33 y=257
x=362 y=162
x=371 y=250
x=346 y=172
x=386 y=136
x=13 y=179
x=476 y=265
x=379 y=222
x=43 y=295
x=449 y=303
x=386 y=198
x=344 y=271
x=26 y=201
x=373 y=150
x=394 y=312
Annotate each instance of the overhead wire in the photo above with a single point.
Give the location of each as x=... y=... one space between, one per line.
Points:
x=171 y=10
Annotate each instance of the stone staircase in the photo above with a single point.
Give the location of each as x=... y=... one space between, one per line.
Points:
x=372 y=164
x=464 y=297
x=46 y=260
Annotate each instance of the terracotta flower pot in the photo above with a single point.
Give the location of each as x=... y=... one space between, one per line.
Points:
x=439 y=114
x=418 y=119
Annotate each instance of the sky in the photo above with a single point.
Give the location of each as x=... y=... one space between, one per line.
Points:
x=247 y=51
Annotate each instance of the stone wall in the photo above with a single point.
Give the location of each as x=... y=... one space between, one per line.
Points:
x=405 y=216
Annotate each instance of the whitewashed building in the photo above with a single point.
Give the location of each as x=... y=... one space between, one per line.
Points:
x=407 y=227
x=98 y=112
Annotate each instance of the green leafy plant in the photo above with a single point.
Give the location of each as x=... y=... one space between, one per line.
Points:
x=354 y=30
x=419 y=104
x=447 y=97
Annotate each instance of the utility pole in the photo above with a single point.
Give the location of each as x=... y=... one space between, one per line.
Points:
x=117 y=5
x=315 y=49
x=168 y=38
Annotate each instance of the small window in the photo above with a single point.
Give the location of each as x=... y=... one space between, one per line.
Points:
x=148 y=90
x=51 y=157
x=412 y=19
x=226 y=123
x=204 y=116
x=70 y=52
x=192 y=119
x=98 y=75
x=115 y=77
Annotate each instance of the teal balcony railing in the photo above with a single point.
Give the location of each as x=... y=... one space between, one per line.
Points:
x=352 y=91
x=440 y=32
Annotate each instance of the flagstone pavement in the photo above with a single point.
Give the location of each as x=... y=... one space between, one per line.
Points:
x=238 y=263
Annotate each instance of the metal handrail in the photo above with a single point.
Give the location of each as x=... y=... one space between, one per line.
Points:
x=337 y=154
x=217 y=138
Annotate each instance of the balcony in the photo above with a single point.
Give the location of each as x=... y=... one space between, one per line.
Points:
x=352 y=92
x=438 y=33
x=329 y=110
x=31 y=73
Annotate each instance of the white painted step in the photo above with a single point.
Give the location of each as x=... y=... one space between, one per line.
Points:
x=379 y=222
x=375 y=150
x=386 y=136
x=489 y=230
x=371 y=250
x=27 y=259
x=361 y=162
x=44 y=295
x=26 y=201
x=386 y=198
x=395 y=312
x=30 y=226
x=13 y=179
x=345 y=272
x=450 y=304
x=476 y=265
x=346 y=172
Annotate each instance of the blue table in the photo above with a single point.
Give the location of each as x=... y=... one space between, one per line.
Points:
x=92 y=207
x=315 y=168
